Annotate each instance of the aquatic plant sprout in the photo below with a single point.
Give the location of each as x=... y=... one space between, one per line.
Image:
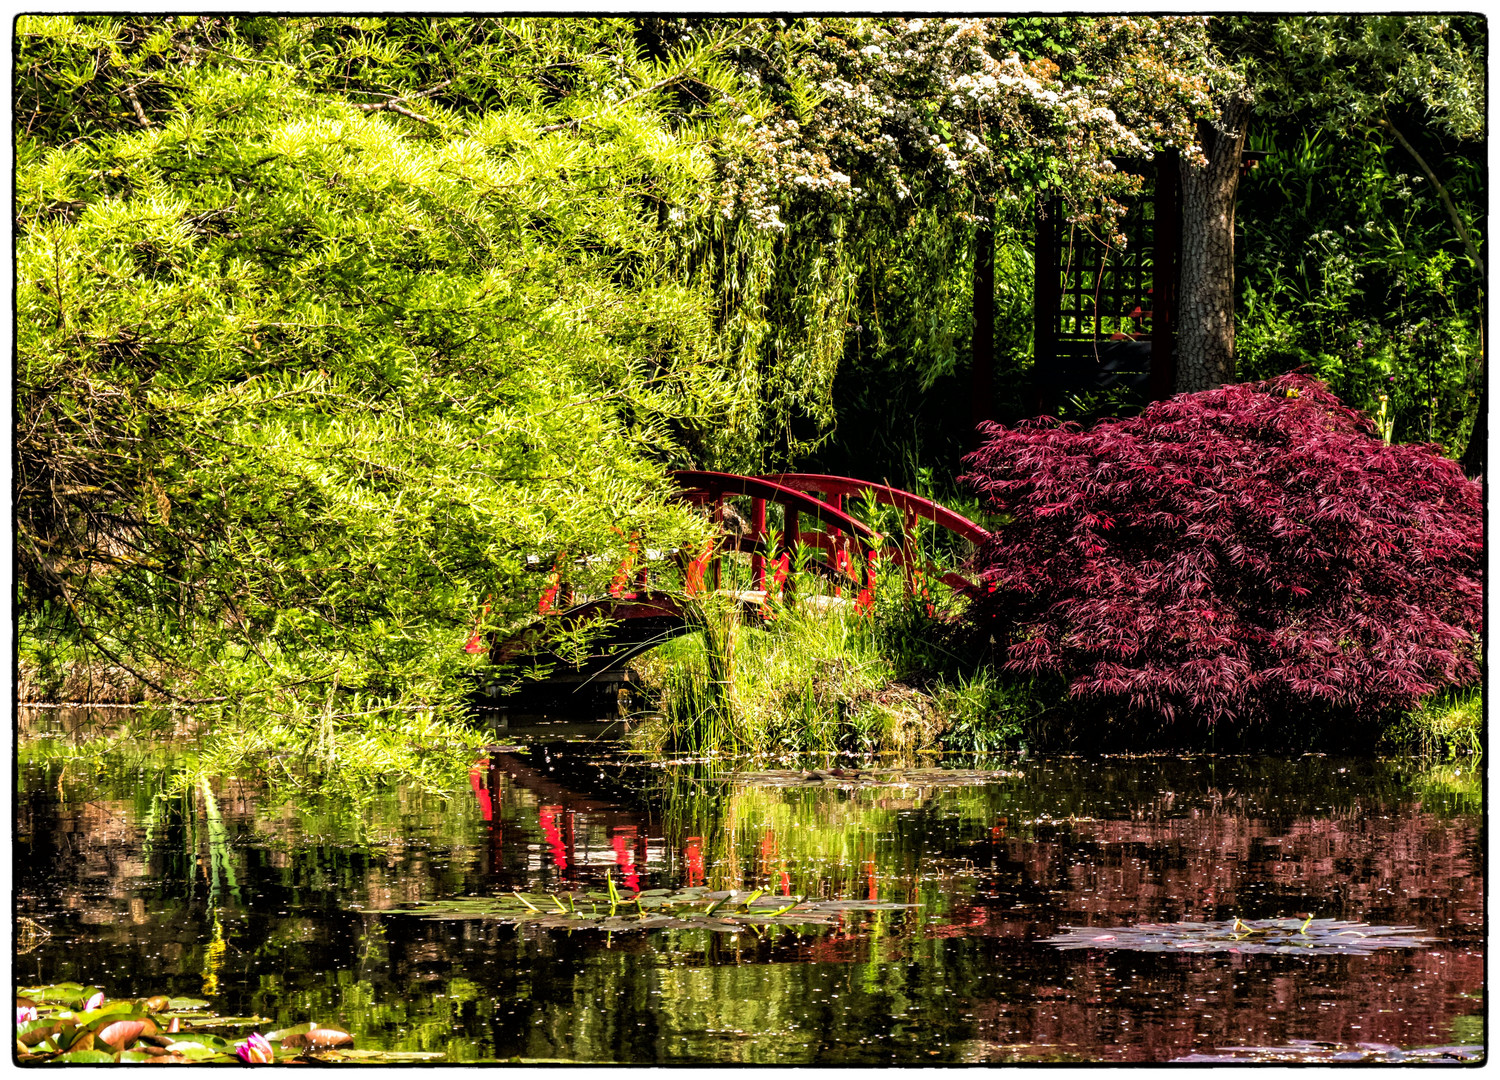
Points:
x=1244 y=936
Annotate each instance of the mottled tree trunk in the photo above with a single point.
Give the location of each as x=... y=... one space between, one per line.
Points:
x=1205 y=298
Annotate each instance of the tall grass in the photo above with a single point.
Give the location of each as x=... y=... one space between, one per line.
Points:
x=814 y=673
x=1448 y=724
x=810 y=680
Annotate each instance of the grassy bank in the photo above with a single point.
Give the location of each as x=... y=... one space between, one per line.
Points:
x=818 y=672
x=1448 y=725
x=909 y=674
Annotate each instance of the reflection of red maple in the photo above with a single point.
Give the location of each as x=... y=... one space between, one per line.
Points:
x=1408 y=869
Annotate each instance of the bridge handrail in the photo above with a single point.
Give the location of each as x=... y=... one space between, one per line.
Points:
x=901 y=500
x=757 y=487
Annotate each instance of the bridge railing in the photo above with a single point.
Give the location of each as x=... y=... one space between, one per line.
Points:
x=813 y=514
x=835 y=489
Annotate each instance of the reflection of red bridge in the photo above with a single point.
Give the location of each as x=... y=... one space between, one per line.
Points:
x=557 y=809
x=814 y=517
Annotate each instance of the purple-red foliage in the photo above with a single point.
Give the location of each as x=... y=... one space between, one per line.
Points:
x=1231 y=554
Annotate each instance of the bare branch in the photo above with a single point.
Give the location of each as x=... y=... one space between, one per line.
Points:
x=1458 y=222
x=393 y=104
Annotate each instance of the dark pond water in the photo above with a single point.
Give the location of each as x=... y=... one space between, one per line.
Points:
x=287 y=912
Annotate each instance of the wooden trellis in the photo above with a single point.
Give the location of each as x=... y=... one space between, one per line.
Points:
x=1105 y=313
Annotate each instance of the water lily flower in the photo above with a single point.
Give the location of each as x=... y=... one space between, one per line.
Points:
x=95 y=1002
x=255 y=1050
x=25 y=1014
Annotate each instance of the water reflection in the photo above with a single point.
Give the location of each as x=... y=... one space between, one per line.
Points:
x=288 y=912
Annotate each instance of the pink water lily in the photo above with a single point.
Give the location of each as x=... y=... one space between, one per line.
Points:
x=25 y=1014
x=255 y=1050
x=95 y=1002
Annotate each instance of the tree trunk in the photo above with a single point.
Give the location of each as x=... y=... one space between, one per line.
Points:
x=982 y=370
x=1205 y=298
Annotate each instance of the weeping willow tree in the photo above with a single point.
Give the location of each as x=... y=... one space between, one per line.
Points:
x=329 y=329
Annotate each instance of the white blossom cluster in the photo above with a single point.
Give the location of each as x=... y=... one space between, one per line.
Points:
x=912 y=109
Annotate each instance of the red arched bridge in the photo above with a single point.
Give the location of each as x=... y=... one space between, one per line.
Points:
x=814 y=518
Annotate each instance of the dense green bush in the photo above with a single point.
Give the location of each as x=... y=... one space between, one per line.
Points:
x=1369 y=291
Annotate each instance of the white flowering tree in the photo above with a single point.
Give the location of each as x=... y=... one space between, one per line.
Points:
x=874 y=127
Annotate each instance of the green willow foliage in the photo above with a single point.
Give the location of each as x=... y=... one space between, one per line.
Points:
x=318 y=340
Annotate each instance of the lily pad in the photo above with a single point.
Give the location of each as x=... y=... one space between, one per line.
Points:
x=312 y=1037
x=69 y=995
x=84 y=1057
x=197 y=1023
x=695 y=908
x=1282 y=936
x=1308 y=1053
x=120 y=1034
x=34 y=1031
x=195 y=1050
x=862 y=778
x=383 y=1057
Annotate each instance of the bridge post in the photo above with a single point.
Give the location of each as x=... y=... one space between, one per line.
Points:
x=719 y=521
x=792 y=539
x=758 y=561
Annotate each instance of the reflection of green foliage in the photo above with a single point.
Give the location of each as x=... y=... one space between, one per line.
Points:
x=1468 y=1030
x=1452 y=787
x=150 y=781
x=334 y=770
x=829 y=841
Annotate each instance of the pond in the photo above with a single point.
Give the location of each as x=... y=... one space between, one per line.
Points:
x=314 y=912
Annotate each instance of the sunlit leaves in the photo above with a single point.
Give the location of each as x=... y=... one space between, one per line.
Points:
x=301 y=383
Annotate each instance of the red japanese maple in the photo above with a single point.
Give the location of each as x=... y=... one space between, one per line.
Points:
x=1236 y=553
